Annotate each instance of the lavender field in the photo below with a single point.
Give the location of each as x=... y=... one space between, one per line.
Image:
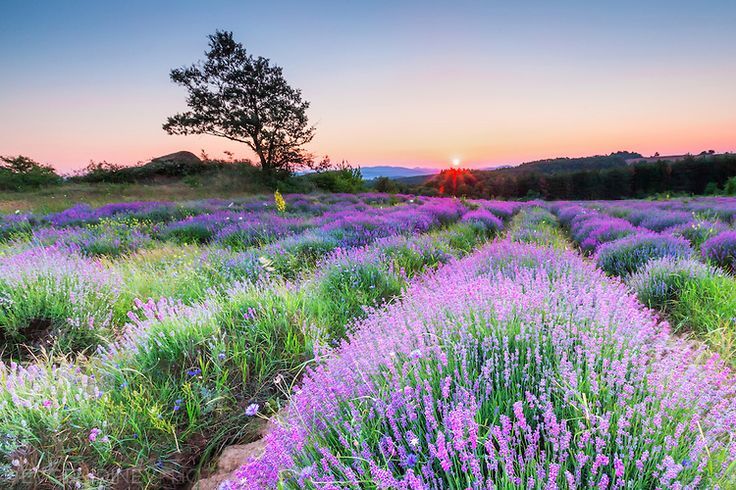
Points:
x=390 y=341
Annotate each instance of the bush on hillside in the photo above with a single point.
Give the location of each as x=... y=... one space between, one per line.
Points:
x=18 y=173
x=344 y=179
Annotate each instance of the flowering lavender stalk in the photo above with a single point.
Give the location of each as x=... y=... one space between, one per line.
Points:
x=628 y=254
x=548 y=376
x=721 y=250
x=70 y=296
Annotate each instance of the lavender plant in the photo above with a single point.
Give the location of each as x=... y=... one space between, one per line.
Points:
x=551 y=380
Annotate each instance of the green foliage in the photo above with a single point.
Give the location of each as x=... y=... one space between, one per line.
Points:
x=235 y=95
x=730 y=187
x=706 y=307
x=296 y=255
x=19 y=173
x=660 y=282
x=342 y=180
x=189 y=170
x=48 y=310
x=385 y=184
x=539 y=226
x=608 y=178
x=173 y=387
x=344 y=291
x=711 y=189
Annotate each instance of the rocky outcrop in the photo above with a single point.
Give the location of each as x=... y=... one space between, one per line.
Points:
x=185 y=157
x=233 y=457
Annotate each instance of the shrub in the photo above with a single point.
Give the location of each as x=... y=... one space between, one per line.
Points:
x=254 y=231
x=540 y=380
x=347 y=283
x=294 y=254
x=711 y=189
x=15 y=225
x=721 y=250
x=108 y=238
x=183 y=273
x=39 y=404
x=536 y=225
x=626 y=255
x=413 y=255
x=464 y=237
x=699 y=231
x=347 y=179
x=19 y=172
x=51 y=298
x=658 y=283
x=730 y=187
x=488 y=220
x=707 y=306
x=590 y=233
x=658 y=220
x=385 y=184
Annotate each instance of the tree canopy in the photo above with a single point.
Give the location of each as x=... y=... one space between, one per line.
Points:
x=20 y=172
x=243 y=98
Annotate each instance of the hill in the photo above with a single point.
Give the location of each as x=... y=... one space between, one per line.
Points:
x=392 y=172
x=574 y=164
x=598 y=177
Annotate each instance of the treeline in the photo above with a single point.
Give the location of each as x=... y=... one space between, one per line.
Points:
x=572 y=164
x=692 y=175
x=20 y=173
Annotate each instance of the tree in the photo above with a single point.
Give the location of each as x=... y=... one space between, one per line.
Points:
x=19 y=172
x=384 y=184
x=243 y=98
x=730 y=188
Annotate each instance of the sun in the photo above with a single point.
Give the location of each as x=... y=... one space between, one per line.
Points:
x=456 y=162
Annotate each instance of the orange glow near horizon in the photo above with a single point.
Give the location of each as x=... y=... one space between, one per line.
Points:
x=515 y=84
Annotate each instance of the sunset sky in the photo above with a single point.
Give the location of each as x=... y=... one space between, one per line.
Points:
x=403 y=83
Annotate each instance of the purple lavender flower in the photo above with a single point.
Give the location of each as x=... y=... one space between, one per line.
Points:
x=721 y=250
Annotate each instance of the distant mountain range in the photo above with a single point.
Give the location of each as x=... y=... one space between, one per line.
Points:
x=370 y=173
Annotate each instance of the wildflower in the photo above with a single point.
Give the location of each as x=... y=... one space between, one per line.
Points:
x=411 y=460
x=414 y=441
x=307 y=471
x=415 y=354
x=93 y=434
x=194 y=372
x=252 y=409
x=177 y=405
x=280 y=202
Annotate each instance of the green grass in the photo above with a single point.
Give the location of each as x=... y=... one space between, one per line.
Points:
x=57 y=198
x=162 y=401
x=706 y=308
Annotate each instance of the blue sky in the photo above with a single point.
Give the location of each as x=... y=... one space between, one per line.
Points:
x=418 y=83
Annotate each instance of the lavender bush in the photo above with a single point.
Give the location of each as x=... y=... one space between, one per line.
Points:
x=55 y=299
x=659 y=282
x=721 y=250
x=550 y=377
x=626 y=255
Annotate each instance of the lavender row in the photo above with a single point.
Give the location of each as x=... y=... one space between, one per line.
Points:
x=518 y=366
x=205 y=365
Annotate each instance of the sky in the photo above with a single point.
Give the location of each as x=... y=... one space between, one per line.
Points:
x=410 y=83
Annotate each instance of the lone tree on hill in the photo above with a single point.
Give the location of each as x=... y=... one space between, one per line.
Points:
x=237 y=96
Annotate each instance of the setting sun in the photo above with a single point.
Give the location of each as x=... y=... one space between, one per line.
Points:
x=456 y=162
